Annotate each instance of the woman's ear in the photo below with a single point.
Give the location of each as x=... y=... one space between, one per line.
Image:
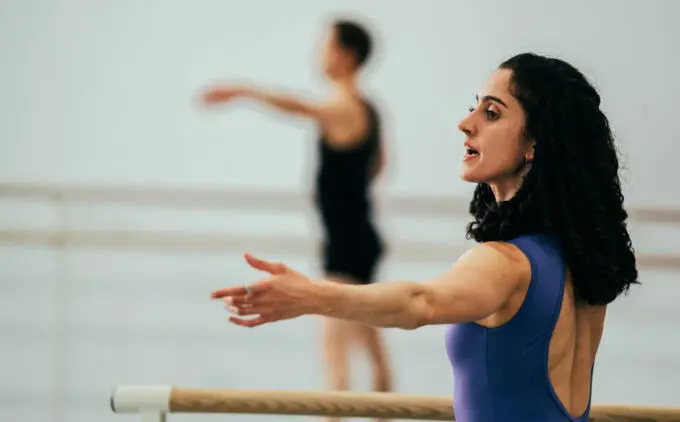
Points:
x=529 y=155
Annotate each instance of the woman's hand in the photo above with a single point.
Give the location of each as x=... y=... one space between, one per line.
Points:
x=223 y=94
x=285 y=294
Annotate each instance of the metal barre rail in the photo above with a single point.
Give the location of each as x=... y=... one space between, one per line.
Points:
x=232 y=243
x=249 y=200
x=154 y=402
x=259 y=199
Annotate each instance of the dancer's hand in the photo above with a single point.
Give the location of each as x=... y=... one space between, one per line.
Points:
x=285 y=294
x=222 y=94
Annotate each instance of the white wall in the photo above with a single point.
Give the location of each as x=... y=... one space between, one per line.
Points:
x=104 y=92
x=96 y=92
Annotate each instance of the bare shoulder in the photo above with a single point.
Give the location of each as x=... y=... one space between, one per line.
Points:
x=480 y=284
x=337 y=110
x=498 y=263
x=350 y=105
x=501 y=255
x=347 y=120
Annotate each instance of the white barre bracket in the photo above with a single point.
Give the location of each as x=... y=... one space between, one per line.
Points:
x=152 y=402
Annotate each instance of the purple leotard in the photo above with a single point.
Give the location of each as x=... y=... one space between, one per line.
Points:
x=501 y=374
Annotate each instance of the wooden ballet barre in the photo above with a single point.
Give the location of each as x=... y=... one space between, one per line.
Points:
x=155 y=402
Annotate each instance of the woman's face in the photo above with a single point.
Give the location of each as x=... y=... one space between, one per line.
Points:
x=336 y=62
x=495 y=145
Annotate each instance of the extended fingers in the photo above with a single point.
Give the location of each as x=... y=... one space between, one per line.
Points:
x=259 y=320
x=237 y=300
x=228 y=292
x=249 y=322
x=249 y=310
x=240 y=300
x=243 y=290
x=273 y=268
x=268 y=266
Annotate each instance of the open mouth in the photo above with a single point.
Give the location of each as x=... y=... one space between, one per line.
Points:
x=469 y=152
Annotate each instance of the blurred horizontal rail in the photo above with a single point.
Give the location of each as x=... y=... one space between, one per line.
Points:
x=237 y=244
x=259 y=199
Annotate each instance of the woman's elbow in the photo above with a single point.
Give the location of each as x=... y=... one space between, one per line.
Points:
x=421 y=311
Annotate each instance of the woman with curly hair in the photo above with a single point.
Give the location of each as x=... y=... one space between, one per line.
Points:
x=525 y=307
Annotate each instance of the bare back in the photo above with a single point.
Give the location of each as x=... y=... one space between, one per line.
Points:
x=573 y=345
x=573 y=348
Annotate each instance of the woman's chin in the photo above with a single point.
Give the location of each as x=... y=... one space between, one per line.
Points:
x=469 y=176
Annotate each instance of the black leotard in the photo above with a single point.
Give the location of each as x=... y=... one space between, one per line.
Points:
x=352 y=245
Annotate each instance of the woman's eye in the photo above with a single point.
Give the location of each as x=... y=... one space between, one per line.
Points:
x=492 y=115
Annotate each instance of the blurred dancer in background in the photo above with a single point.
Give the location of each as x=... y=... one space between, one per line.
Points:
x=351 y=156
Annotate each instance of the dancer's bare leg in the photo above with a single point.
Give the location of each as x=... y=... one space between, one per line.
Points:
x=338 y=336
x=336 y=347
x=372 y=341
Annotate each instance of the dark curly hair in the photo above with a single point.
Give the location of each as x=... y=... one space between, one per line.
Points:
x=572 y=191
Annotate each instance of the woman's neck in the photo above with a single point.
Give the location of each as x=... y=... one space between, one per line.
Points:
x=506 y=188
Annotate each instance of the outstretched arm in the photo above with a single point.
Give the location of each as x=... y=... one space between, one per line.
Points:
x=321 y=112
x=477 y=286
